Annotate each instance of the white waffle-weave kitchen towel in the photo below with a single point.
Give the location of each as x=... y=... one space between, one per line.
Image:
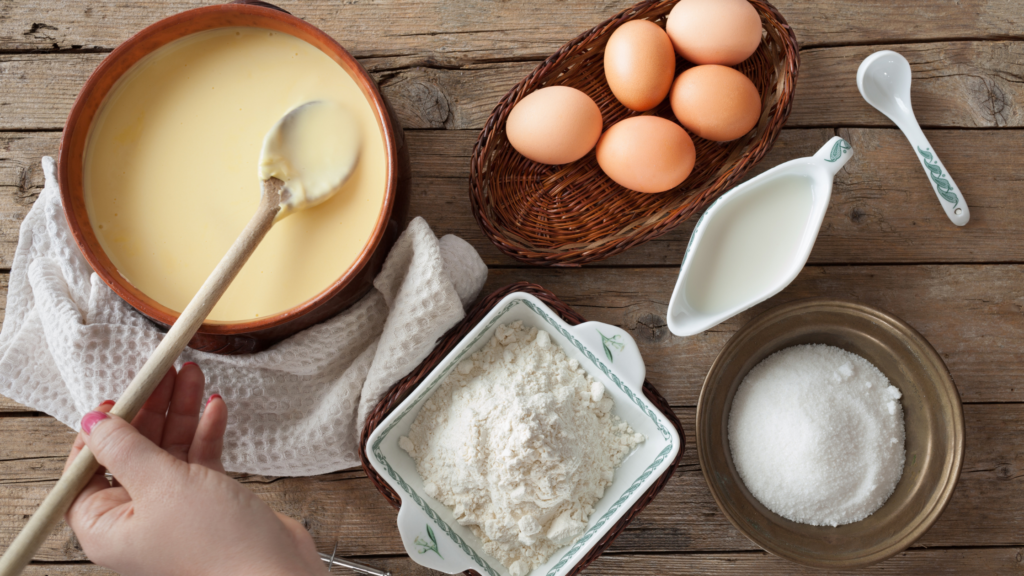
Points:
x=68 y=343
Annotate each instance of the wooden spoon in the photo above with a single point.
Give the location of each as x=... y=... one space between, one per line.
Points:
x=315 y=149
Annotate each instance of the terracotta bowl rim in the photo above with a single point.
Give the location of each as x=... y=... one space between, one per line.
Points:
x=209 y=18
x=901 y=539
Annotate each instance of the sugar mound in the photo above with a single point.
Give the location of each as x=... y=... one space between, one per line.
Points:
x=817 y=435
x=520 y=442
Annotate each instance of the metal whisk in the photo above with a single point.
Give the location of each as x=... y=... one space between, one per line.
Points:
x=332 y=560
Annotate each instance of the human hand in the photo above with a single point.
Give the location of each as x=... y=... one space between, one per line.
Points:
x=173 y=510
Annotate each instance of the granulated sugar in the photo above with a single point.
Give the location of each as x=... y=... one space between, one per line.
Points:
x=817 y=435
x=520 y=442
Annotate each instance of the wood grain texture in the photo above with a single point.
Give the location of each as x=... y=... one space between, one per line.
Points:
x=477 y=30
x=961 y=84
x=956 y=84
x=972 y=315
x=444 y=65
x=38 y=90
x=455 y=99
x=67 y=569
x=1001 y=562
x=882 y=210
x=955 y=562
x=21 y=181
x=422 y=97
x=10 y=406
x=987 y=508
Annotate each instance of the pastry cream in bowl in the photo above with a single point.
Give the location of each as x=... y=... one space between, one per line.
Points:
x=171 y=171
x=160 y=171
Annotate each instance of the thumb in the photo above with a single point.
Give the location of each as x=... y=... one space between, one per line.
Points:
x=132 y=458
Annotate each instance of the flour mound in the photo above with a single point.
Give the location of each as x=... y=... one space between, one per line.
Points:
x=520 y=443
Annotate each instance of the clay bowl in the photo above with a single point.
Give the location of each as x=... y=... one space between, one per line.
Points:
x=934 y=427
x=249 y=336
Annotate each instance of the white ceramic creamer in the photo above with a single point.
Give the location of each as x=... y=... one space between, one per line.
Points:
x=754 y=240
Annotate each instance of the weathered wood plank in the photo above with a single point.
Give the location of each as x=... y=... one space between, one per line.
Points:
x=962 y=84
x=21 y=181
x=389 y=34
x=69 y=569
x=8 y=405
x=956 y=562
x=882 y=208
x=477 y=30
x=971 y=314
x=38 y=90
x=453 y=99
x=398 y=565
x=987 y=508
x=956 y=84
x=997 y=561
x=980 y=331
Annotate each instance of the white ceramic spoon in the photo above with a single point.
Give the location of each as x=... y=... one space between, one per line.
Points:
x=884 y=81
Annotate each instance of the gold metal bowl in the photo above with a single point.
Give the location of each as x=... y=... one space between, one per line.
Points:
x=934 y=426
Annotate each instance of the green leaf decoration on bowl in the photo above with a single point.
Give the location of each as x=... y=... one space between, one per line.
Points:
x=425 y=546
x=609 y=343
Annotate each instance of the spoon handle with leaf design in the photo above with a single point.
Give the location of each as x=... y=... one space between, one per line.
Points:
x=945 y=189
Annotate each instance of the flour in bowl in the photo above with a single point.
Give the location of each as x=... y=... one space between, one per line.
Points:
x=519 y=441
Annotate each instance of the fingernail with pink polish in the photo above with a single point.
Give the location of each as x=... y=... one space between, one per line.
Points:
x=187 y=363
x=107 y=403
x=90 y=420
x=212 y=396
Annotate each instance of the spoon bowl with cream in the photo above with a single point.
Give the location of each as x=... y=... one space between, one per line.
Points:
x=312 y=151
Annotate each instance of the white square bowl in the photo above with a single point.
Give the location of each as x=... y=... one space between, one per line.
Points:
x=431 y=535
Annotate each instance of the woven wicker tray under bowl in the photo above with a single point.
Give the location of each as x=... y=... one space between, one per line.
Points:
x=398 y=393
x=573 y=214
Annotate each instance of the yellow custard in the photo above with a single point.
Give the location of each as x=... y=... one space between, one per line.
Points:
x=171 y=171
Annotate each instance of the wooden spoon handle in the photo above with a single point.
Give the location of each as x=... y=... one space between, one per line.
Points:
x=57 y=502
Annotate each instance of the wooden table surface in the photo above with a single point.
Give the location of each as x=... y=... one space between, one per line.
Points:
x=885 y=241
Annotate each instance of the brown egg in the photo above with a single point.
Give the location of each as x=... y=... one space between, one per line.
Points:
x=646 y=154
x=716 y=102
x=639 y=64
x=714 y=31
x=554 y=125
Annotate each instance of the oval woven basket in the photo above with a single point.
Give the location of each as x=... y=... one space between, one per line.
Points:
x=573 y=214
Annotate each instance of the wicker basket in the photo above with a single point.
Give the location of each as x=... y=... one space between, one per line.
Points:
x=573 y=214
x=401 y=390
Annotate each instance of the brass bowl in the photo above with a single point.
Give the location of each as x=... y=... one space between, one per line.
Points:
x=934 y=426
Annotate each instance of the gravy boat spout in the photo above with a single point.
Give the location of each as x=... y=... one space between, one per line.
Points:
x=753 y=241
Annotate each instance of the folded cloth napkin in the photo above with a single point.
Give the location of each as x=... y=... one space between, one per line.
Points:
x=68 y=343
